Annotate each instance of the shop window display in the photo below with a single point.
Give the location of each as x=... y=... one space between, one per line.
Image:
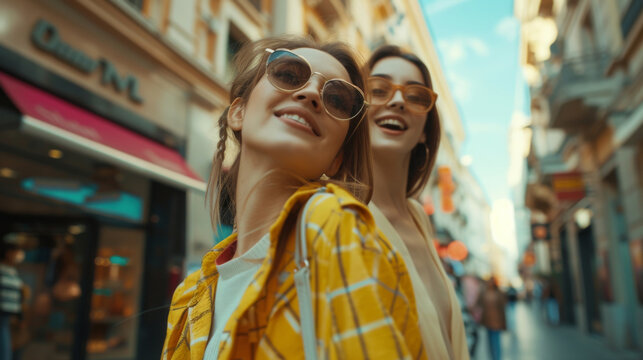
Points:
x=117 y=274
x=54 y=275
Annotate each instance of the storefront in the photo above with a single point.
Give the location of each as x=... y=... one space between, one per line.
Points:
x=93 y=180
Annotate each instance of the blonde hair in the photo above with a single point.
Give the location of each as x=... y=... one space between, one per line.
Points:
x=355 y=173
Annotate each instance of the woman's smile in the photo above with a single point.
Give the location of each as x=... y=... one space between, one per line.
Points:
x=391 y=124
x=299 y=118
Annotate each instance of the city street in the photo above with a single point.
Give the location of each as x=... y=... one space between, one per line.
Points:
x=496 y=144
x=535 y=340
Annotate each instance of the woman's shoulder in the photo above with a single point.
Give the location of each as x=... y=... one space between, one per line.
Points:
x=185 y=290
x=334 y=200
x=348 y=222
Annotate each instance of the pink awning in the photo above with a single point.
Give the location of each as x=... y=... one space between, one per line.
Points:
x=54 y=119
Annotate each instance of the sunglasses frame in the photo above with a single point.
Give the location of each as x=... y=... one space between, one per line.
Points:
x=321 y=94
x=396 y=87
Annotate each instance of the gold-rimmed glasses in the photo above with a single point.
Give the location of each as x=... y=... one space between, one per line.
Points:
x=290 y=72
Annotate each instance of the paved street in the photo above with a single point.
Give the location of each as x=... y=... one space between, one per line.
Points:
x=535 y=340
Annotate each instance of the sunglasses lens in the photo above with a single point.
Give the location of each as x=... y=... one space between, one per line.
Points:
x=287 y=71
x=418 y=98
x=342 y=100
x=379 y=91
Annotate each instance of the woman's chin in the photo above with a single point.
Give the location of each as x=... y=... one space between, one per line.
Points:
x=389 y=147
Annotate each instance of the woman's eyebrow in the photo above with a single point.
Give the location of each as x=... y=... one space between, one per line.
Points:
x=389 y=77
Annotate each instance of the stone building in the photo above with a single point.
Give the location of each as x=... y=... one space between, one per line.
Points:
x=583 y=60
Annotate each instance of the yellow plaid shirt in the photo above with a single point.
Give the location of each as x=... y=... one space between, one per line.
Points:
x=362 y=296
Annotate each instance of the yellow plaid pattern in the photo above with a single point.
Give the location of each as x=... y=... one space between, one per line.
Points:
x=362 y=296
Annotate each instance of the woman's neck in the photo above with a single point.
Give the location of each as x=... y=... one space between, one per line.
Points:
x=390 y=173
x=260 y=195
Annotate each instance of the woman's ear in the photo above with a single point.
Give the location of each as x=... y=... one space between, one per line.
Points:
x=335 y=165
x=235 y=114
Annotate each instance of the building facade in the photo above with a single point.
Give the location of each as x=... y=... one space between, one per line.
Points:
x=583 y=60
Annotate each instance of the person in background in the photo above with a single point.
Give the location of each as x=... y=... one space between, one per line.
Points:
x=11 y=290
x=296 y=112
x=493 y=303
x=405 y=135
x=470 y=324
x=551 y=303
x=512 y=300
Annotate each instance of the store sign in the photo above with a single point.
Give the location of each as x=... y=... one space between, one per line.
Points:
x=447 y=187
x=540 y=231
x=46 y=37
x=568 y=186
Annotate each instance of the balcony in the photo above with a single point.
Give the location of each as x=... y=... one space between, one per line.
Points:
x=541 y=198
x=580 y=91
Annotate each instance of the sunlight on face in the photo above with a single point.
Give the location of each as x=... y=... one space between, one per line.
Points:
x=393 y=128
x=291 y=130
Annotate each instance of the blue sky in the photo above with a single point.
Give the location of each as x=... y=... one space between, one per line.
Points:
x=478 y=45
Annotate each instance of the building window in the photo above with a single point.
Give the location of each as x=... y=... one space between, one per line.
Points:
x=138 y=4
x=588 y=36
x=236 y=39
x=631 y=15
x=312 y=33
x=256 y=4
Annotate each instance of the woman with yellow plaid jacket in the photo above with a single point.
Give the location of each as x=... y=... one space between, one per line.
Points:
x=296 y=113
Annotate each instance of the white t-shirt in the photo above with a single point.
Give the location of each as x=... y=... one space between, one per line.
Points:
x=234 y=278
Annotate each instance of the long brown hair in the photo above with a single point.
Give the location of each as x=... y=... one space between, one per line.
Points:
x=420 y=166
x=355 y=173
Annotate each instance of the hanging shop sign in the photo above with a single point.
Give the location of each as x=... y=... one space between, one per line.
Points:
x=568 y=186
x=447 y=187
x=457 y=250
x=539 y=231
x=45 y=36
x=427 y=205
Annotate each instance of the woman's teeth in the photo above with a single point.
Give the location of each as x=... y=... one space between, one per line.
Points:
x=297 y=118
x=393 y=124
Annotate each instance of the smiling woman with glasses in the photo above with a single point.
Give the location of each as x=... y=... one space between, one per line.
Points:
x=288 y=71
x=306 y=273
x=405 y=134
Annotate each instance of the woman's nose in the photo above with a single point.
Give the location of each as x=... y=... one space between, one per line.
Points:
x=396 y=101
x=311 y=93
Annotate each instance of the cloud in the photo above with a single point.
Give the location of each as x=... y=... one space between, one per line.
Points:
x=457 y=49
x=438 y=6
x=507 y=28
x=461 y=86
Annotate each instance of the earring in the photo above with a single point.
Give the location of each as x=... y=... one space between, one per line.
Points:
x=426 y=156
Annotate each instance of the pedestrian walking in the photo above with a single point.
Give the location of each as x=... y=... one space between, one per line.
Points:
x=306 y=272
x=512 y=300
x=405 y=135
x=493 y=302
x=551 y=301
x=11 y=290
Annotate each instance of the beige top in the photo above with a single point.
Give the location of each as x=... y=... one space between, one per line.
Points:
x=439 y=312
